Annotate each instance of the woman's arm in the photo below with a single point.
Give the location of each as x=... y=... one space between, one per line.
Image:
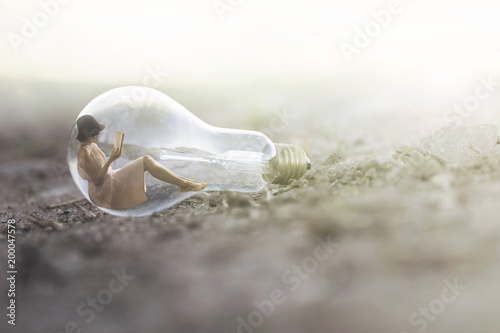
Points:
x=86 y=162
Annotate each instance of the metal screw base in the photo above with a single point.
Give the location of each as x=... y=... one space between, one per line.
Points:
x=291 y=162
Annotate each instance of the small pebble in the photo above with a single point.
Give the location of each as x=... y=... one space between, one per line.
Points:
x=237 y=200
x=215 y=199
x=332 y=159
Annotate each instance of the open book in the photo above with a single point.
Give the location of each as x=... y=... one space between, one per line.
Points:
x=119 y=141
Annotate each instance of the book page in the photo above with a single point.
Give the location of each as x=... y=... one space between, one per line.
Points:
x=119 y=141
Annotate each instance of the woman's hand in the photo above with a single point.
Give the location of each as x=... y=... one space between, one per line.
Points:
x=114 y=155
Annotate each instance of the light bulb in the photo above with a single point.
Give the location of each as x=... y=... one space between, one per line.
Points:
x=156 y=125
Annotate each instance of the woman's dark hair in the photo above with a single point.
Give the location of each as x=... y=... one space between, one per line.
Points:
x=87 y=127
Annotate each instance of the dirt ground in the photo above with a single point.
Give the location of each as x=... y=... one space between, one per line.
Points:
x=375 y=237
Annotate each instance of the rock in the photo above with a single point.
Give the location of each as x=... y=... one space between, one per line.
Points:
x=332 y=159
x=461 y=143
x=237 y=200
x=215 y=199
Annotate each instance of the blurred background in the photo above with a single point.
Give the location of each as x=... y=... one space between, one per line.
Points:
x=353 y=80
x=234 y=63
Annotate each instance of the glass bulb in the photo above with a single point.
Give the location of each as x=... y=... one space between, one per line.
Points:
x=156 y=125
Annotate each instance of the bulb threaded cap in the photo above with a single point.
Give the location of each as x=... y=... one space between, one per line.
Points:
x=291 y=162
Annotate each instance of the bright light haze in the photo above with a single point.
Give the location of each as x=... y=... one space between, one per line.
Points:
x=115 y=40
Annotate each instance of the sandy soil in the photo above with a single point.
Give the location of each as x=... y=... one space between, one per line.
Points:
x=371 y=239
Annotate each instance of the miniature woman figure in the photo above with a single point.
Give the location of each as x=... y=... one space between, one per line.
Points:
x=125 y=187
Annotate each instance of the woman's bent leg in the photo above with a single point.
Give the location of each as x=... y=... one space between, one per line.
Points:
x=164 y=174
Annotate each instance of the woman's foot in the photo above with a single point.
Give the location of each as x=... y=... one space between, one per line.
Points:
x=192 y=185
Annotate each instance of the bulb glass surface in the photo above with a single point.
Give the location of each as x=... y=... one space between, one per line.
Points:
x=156 y=125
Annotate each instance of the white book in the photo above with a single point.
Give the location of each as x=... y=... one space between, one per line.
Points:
x=119 y=141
